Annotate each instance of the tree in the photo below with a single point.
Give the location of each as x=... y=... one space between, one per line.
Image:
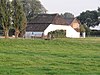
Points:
x=23 y=25
x=5 y=16
x=26 y=6
x=89 y=18
x=87 y=30
x=98 y=11
x=67 y=15
x=19 y=18
x=82 y=28
x=32 y=7
x=57 y=34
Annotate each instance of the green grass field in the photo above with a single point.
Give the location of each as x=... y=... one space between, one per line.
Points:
x=50 y=57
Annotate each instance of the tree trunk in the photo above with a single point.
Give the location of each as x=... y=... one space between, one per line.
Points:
x=6 y=33
x=21 y=33
x=16 y=33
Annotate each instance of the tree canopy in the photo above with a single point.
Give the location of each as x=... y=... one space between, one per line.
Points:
x=89 y=18
x=13 y=14
x=19 y=18
x=5 y=16
x=32 y=7
x=98 y=11
x=67 y=15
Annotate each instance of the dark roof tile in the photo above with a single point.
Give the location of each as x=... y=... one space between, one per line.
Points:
x=36 y=27
x=42 y=21
x=69 y=20
x=43 y=18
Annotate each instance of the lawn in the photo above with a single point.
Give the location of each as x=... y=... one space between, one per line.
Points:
x=50 y=57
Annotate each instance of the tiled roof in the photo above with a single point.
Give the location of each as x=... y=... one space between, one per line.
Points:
x=36 y=27
x=43 y=18
x=42 y=21
x=69 y=20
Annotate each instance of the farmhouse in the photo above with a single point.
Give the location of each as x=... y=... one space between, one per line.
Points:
x=42 y=24
x=74 y=23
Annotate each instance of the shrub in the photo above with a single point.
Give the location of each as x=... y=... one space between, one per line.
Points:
x=57 y=34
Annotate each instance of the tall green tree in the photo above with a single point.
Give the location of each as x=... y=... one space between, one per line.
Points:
x=82 y=28
x=98 y=11
x=32 y=7
x=5 y=16
x=89 y=18
x=23 y=25
x=19 y=18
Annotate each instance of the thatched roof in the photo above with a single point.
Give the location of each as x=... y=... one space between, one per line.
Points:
x=43 y=18
x=69 y=20
x=42 y=21
x=36 y=27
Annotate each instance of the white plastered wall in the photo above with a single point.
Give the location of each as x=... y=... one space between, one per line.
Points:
x=70 y=32
x=53 y=27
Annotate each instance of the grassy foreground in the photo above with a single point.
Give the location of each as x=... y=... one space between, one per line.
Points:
x=50 y=57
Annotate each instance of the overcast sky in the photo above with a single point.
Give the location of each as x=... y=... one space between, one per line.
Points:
x=73 y=6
